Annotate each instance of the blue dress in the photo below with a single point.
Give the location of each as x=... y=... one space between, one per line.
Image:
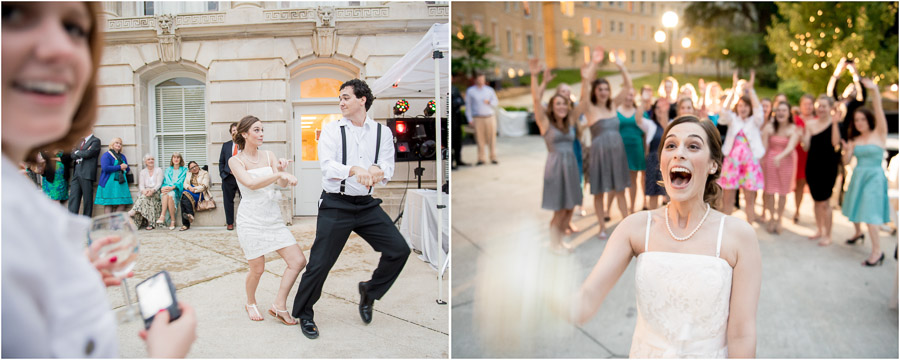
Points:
x=110 y=191
x=866 y=199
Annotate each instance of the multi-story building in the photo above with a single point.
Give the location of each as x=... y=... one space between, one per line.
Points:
x=174 y=75
x=625 y=28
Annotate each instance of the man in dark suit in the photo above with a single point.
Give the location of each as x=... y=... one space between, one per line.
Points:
x=81 y=187
x=229 y=184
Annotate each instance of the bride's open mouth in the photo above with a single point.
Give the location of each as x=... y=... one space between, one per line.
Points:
x=680 y=177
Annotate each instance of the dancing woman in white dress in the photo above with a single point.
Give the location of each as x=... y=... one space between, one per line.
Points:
x=260 y=227
x=697 y=290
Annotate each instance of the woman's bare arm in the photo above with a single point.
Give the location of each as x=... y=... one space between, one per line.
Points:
x=745 y=284
x=241 y=175
x=613 y=262
x=537 y=93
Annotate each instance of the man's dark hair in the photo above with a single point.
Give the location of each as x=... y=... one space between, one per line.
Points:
x=360 y=89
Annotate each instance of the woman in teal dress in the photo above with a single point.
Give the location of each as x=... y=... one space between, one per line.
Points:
x=632 y=132
x=112 y=188
x=172 y=186
x=866 y=199
x=54 y=183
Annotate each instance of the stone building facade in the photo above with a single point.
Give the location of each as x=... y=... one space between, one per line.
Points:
x=522 y=30
x=175 y=75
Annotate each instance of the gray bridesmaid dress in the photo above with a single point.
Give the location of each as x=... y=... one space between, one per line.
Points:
x=608 y=164
x=562 y=185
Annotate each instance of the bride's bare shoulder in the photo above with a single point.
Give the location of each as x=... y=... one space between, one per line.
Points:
x=738 y=229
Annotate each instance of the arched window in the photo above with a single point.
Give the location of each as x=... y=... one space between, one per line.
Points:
x=180 y=120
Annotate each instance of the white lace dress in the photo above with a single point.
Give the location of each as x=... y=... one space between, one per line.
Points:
x=260 y=227
x=682 y=302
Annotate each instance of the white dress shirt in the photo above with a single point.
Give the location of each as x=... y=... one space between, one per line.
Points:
x=360 y=152
x=54 y=302
x=475 y=97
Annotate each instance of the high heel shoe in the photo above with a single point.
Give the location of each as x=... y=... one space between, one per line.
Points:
x=877 y=263
x=861 y=238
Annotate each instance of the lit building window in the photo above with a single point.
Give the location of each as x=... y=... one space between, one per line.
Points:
x=587 y=54
x=599 y=27
x=567 y=8
x=566 y=35
x=586 y=23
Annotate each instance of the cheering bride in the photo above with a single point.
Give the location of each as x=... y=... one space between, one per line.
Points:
x=697 y=290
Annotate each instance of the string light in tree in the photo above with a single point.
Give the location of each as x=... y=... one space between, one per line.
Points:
x=401 y=107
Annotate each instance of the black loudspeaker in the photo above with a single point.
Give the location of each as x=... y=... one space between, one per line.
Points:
x=415 y=138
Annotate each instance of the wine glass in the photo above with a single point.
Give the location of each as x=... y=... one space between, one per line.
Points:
x=125 y=249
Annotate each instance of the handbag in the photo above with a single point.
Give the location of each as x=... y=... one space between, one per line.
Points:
x=206 y=204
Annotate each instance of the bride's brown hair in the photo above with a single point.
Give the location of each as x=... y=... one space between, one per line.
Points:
x=713 y=192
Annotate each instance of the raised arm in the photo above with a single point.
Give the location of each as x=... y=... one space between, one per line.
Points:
x=856 y=81
x=745 y=285
x=832 y=82
x=613 y=261
x=588 y=74
x=758 y=116
x=626 y=81
x=537 y=93
x=847 y=152
x=877 y=108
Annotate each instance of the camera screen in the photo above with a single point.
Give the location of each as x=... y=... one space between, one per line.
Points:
x=153 y=295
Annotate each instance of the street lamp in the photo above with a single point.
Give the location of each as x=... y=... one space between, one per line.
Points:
x=670 y=21
x=660 y=37
x=686 y=44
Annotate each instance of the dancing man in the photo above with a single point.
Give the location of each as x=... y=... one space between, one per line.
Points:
x=355 y=153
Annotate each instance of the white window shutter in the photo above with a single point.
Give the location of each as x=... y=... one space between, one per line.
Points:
x=181 y=123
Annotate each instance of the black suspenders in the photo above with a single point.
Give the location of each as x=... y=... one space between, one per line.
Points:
x=344 y=152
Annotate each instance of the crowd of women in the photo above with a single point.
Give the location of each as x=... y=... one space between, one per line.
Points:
x=769 y=146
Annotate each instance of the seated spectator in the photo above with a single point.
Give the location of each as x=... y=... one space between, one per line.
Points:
x=149 y=204
x=196 y=188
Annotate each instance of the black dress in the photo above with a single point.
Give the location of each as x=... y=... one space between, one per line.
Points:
x=654 y=174
x=821 y=165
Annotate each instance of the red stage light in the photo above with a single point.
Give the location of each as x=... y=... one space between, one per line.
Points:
x=401 y=127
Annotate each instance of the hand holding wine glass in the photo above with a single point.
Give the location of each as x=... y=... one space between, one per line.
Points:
x=113 y=249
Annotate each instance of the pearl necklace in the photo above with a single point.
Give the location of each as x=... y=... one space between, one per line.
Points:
x=669 y=227
x=257 y=158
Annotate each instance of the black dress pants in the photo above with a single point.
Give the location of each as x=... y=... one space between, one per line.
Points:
x=338 y=216
x=229 y=189
x=81 y=189
x=456 y=138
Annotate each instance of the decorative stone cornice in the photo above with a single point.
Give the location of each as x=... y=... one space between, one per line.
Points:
x=290 y=15
x=362 y=13
x=200 y=19
x=439 y=11
x=137 y=23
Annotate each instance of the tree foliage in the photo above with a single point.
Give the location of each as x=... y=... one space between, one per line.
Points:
x=474 y=49
x=574 y=48
x=811 y=37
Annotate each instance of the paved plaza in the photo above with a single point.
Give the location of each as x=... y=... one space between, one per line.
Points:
x=208 y=268
x=815 y=302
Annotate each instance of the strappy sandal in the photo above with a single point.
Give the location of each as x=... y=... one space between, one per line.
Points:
x=255 y=310
x=276 y=313
x=190 y=217
x=184 y=228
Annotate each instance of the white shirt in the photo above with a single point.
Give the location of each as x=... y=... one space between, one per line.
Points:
x=750 y=126
x=53 y=302
x=360 y=152
x=475 y=97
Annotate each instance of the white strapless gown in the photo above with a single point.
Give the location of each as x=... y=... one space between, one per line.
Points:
x=260 y=227
x=682 y=302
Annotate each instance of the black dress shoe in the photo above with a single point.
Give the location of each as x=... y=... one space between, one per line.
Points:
x=494 y=162
x=309 y=328
x=461 y=163
x=365 y=304
x=479 y=163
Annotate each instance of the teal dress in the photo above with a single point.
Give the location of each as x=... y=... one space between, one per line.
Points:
x=866 y=199
x=111 y=192
x=633 y=138
x=175 y=178
x=58 y=189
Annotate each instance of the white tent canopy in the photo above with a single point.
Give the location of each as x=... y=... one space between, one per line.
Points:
x=419 y=74
x=413 y=74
